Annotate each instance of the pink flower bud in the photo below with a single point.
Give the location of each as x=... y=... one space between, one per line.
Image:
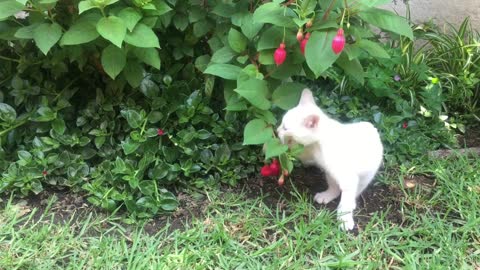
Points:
x=338 y=42
x=280 y=54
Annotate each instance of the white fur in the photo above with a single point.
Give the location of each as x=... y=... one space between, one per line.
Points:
x=350 y=154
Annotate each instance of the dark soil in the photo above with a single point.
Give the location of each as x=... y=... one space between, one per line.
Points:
x=471 y=138
x=377 y=198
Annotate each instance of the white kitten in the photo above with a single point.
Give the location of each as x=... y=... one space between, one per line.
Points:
x=350 y=154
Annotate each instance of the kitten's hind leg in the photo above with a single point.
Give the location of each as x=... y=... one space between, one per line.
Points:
x=364 y=182
x=331 y=193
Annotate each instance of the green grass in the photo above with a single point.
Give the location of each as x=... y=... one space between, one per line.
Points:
x=440 y=230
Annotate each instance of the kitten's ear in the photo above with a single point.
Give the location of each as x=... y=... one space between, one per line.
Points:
x=311 y=121
x=307 y=97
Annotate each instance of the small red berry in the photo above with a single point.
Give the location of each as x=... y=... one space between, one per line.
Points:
x=266 y=171
x=280 y=54
x=338 y=42
x=404 y=125
x=44 y=173
x=160 y=132
x=300 y=35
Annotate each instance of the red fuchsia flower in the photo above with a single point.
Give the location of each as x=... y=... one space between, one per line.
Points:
x=44 y=173
x=338 y=42
x=275 y=168
x=280 y=54
x=160 y=132
x=303 y=43
x=404 y=125
x=266 y=171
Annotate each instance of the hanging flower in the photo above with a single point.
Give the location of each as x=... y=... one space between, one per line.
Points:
x=338 y=42
x=300 y=35
x=405 y=125
x=397 y=78
x=160 y=132
x=266 y=171
x=280 y=54
x=303 y=44
x=275 y=168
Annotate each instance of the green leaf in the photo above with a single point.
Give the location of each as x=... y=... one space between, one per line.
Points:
x=224 y=55
x=319 y=53
x=59 y=126
x=9 y=8
x=352 y=68
x=84 y=6
x=249 y=27
x=236 y=103
x=113 y=60
x=160 y=8
x=44 y=114
x=272 y=37
x=7 y=113
x=373 y=48
x=133 y=72
x=237 y=41
x=149 y=56
x=255 y=91
x=180 y=21
x=113 y=29
x=81 y=32
x=274 y=13
x=169 y=204
x=226 y=71
x=201 y=28
x=26 y=32
x=130 y=17
x=257 y=131
x=46 y=35
x=129 y=146
x=149 y=88
x=154 y=117
x=202 y=61
x=274 y=148
x=24 y=156
x=387 y=20
x=133 y=117
x=142 y=36
x=287 y=95
x=353 y=51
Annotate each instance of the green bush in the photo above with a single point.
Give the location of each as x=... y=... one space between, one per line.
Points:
x=125 y=99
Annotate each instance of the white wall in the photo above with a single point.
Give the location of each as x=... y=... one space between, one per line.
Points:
x=441 y=11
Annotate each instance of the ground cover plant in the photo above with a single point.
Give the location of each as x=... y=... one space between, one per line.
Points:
x=424 y=216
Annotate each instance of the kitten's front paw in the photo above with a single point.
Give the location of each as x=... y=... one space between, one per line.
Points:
x=325 y=197
x=346 y=222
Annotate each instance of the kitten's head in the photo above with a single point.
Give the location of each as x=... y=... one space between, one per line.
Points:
x=299 y=124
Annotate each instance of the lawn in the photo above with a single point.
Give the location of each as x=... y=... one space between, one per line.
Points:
x=421 y=216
